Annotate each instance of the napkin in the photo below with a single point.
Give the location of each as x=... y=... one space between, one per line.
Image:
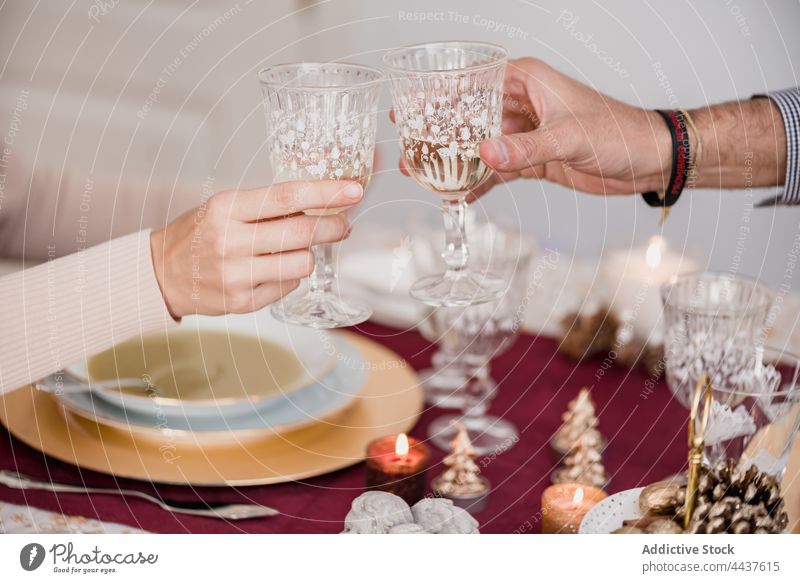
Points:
x=16 y=519
x=381 y=265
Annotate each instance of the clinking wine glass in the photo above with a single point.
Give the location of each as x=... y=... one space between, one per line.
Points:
x=448 y=98
x=321 y=120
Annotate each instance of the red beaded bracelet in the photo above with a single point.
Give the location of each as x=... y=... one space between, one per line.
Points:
x=681 y=159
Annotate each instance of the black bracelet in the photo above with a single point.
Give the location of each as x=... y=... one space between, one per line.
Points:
x=680 y=161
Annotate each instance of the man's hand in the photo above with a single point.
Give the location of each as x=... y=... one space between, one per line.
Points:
x=245 y=249
x=560 y=130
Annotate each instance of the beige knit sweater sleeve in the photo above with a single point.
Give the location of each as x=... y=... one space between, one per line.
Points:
x=67 y=308
x=82 y=299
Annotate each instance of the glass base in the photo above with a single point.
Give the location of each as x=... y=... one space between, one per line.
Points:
x=321 y=311
x=490 y=435
x=463 y=288
x=441 y=389
x=444 y=388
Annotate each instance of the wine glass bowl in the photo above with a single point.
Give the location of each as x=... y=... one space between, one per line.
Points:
x=755 y=416
x=321 y=120
x=448 y=98
x=713 y=324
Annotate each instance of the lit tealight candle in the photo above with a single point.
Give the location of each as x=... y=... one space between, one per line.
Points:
x=398 y=464
x=634 y=277
x=565 y=505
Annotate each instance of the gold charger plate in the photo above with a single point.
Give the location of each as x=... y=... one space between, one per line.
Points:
x=390 y=402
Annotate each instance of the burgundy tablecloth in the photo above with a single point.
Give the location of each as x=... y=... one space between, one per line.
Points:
x=643 y=423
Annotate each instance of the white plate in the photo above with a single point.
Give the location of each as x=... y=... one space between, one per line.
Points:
x=317 y=402
x=607 y=515
x=315 y=352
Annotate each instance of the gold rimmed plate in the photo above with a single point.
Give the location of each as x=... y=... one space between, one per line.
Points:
x=390 y=402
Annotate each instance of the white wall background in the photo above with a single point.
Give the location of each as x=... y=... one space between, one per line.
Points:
x=91 y=69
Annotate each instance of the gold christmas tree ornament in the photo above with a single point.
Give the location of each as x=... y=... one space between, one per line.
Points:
x=578 y=421
x=461 y=482
x=584 y=464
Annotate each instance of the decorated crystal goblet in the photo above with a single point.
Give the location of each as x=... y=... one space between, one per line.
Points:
x=713 y=324
x=448 y=98
x=321 y=120
x=755 y=415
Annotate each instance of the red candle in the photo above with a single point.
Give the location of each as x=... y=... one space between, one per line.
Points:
x=398 y=464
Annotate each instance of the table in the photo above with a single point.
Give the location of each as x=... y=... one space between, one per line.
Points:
x=644 y=425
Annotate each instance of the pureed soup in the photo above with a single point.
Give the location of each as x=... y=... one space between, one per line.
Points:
x=199 y=365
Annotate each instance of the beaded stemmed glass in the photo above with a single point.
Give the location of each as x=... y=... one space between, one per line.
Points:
x=448 y=98
x=321 y=120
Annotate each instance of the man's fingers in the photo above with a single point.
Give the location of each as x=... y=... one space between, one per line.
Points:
x=296 y=232
x=514 y=153
x=286 y=198
x=515 y=124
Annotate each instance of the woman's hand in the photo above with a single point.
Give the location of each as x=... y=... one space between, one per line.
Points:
x=244 y=249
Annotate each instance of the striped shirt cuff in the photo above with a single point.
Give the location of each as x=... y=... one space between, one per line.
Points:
x=788 y=102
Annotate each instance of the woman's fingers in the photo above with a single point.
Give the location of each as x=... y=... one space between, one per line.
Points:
x=287 y=198
x=242 y=275
x=281 y=266
x=293 y=233
x=403 y=167
x=262 y=295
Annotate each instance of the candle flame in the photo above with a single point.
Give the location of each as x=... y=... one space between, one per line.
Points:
x=578 y=497
x=653 y=255
x=401 y=445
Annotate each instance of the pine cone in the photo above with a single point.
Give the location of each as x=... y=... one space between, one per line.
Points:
x=586 y=335
x=731 y=499
x=653 y=361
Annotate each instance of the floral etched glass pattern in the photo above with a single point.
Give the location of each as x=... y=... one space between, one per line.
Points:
x=321 y=121
x=448 y=99
x=440 y=133
x=755 y=417
x=714 y=324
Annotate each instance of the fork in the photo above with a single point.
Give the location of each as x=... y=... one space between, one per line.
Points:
x=207 y=509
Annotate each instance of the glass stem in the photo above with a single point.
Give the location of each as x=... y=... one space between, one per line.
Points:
x=324 y=275
x=456 y=252
x=476 y=392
